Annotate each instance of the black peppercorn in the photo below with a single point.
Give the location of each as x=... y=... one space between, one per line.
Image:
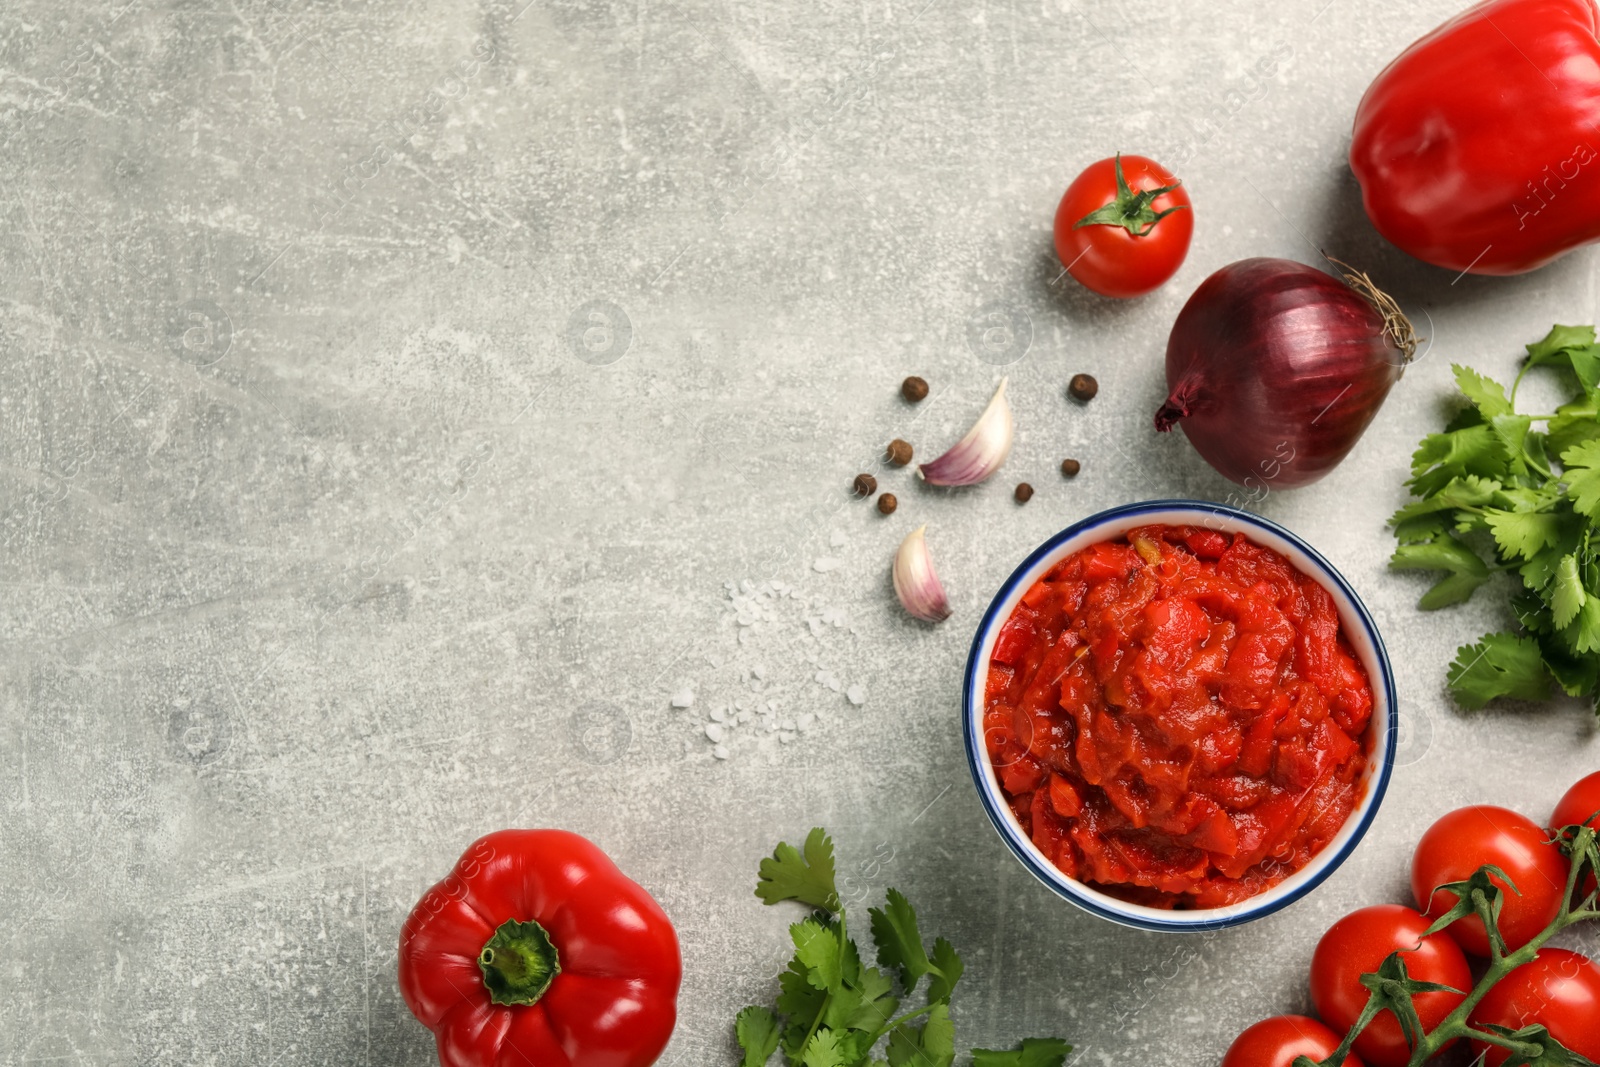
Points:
x=1070 y=468
x=865 y=485
x=1083 y=387
x=914 y=389
x=887 y=503
x=899 y=452
x=1024 y=492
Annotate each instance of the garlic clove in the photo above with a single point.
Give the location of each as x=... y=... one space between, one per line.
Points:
x=978 y=454
x=915 y=581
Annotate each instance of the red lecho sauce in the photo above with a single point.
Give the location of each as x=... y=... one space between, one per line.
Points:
x=1175 y=717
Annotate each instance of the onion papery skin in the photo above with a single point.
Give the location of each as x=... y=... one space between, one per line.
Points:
x=1274 y=370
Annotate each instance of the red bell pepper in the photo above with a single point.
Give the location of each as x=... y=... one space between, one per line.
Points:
x=536 y=951
x=1476 y=149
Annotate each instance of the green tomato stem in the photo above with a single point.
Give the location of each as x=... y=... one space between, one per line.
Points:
x=1455 y=1025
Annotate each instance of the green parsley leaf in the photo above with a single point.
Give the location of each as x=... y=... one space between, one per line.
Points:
x=797 y=997
x=1558 y=341
x=1033 y=1052
x=1486 y=394
x=947 y=971
x=1574 y=424
x=831 y=1010
x=1498 y=492
x=1443 y=457
x=1538 y=571
x=816 y=947
x=1467 y=571
x=1512 y=432
x=1566 y=591
x=876 y=1007
x=1417 y=529
x=1470 y=491
x=930 y=1045
x=1523 y=533
x=1449 y=590
x=1569 y=348
x=809 y=879
x=1499 y=665
x=757 y=1031
x=823 y=1050
x=1582 y=474
x=1445 y=554
x=894 y=928
x=1583 y=633
x=1577 y=674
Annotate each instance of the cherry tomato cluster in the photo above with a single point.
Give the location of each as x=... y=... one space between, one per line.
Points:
x=1557 y=989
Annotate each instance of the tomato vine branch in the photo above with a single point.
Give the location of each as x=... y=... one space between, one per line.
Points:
x=1392 y=989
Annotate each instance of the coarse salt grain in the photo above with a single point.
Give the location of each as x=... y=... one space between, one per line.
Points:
x=683 y=698
x=856 y=694
x=714 y=731
x=720 y=751
x=824 y=564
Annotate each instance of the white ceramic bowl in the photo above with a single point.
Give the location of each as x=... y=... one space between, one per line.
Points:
x=1357 y=626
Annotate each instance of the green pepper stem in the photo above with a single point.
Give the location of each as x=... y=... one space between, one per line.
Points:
x=518 y=963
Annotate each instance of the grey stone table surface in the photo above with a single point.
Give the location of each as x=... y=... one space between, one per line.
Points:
x=402 y=403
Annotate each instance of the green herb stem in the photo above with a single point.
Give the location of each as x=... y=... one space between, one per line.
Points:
x=907 y=1017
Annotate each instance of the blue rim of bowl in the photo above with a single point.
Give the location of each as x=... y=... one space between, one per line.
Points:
x=1061 y=883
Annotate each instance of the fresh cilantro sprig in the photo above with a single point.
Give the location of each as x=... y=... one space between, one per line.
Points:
x=1497 y=495
x=832 y=1010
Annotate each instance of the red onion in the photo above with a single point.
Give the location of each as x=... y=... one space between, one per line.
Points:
x=1276 y=368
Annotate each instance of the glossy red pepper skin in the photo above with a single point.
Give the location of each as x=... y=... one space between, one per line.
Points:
x=1478 y=149
x=613 y=1002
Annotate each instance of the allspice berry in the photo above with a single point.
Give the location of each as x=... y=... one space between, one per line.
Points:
x=914 y=389
x=865 y=485
x=1024 y=492
x=887 y=503
x=899 y=452
x=1070 y=468
x=1083 y=387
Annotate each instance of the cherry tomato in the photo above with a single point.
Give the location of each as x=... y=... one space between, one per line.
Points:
x=1275 y=1042
x=1466 y=839
x=1356 y=945
x=1579 y=805
x=1559 y=989
x=1114 y=236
